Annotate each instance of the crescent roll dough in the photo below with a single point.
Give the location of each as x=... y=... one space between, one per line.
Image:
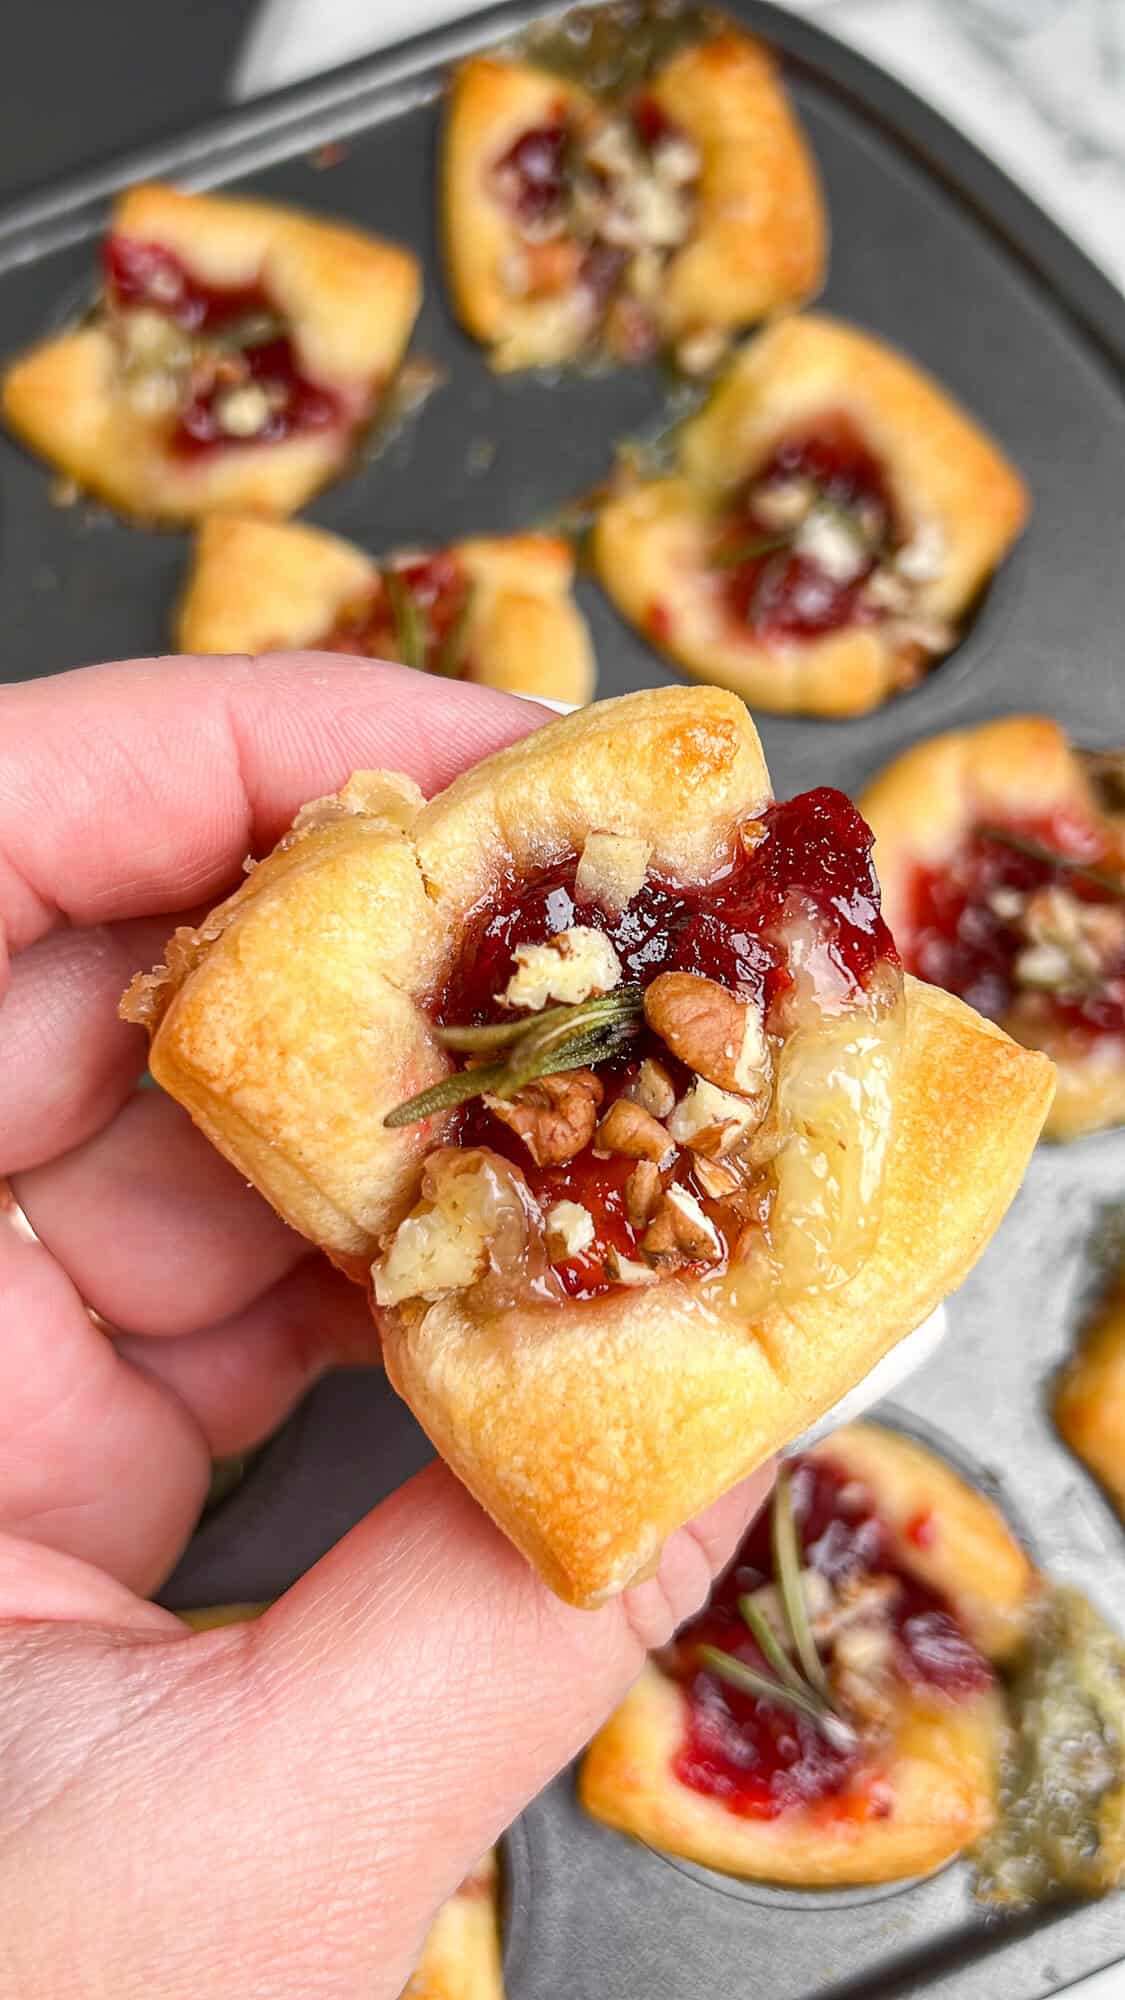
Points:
x=752 y=237
x=296 y=1018
x=259 y=586
x=1020 y=773
x=956 y=507
x=97 y=403
x=936 y=1759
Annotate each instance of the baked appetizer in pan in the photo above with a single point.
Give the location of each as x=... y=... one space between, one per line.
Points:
x=1090 y=1397
x=461 y=1956
x=832 y=517
x=236 y=351
x=832 y=1716
x=1001 y=851
x=492 y=609
x=664 y=216
x=601 y=1069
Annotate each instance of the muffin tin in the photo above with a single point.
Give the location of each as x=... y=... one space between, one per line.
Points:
x=935 y=250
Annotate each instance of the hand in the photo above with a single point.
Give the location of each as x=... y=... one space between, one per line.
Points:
x=278 y=1808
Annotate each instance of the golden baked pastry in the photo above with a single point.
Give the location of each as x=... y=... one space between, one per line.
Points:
x=832 y=516
x=868 y=1752
x=722 y=1161
x=461 y=1956
x=237 y=350
x=1001 y=851
x=1090 y=1397
x=493 y=609
x=670 y=215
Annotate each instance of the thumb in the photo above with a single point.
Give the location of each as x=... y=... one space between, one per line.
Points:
x=437 y=1685
x=281 y=1807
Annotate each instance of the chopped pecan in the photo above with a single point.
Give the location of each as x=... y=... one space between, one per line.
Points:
x=680 y=1232
x=629 y=1270
x=611 y=870
x=570 y=1230
x=642 y=1192
x=713 y=1121
x=652 y=1088
x=476 y=1224
x=555 y=1116
x=714 y=1178
x=628 y=1129
x=569 y=967
x=714 y=1032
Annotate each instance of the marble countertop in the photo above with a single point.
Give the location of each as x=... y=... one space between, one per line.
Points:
x=1039 y=85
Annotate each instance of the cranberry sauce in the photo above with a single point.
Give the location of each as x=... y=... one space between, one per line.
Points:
x=780 y=590
x=532 y=174
x=729 y=930
x=967 y=926
x=439 y=591
x=145 y=275
x=759 y=1757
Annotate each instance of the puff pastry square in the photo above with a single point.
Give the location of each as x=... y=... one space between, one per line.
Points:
x=461 y=1956
x=492 y=609
x=667 y=216
x=1001 y=851
x=1090 y=1398
x=614 y=1283
x=237 y=351
x=913 y=1583
x=832 y=517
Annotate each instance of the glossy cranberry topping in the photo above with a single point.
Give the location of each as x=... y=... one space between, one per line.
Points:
x=532 y=173
x=651 y=122
x=760 y=1758
x=969 y=923
x=146 y=275
x=815 y=847
x=439 y=591
x=780 y=590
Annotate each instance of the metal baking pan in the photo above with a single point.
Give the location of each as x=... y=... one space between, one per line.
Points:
x=935 y=249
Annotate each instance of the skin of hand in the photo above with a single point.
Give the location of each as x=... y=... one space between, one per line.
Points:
x=273 y=1809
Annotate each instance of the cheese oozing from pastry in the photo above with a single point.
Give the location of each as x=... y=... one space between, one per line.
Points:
x=713 y=1073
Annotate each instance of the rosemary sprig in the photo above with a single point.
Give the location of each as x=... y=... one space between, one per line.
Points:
x=768 y=1644
x=451 y=653
x=447 y=1094
x=745 y=552
x=410 y=632
x=806 y=1690
x=1101 y=878
x=787 y=1563
x=561 y=1038
x=749 y=1681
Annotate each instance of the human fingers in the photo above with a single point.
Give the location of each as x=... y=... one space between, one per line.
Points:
x=350 y=1755
x=157 y=1231
x=139 y=787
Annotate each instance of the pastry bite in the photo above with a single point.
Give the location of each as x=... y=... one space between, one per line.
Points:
x=461 y=1956
x=236 y=351
x=1089 y=1401
x=495 y=609
x=833 y=1715
x=1001 y=851
x=830 y=521
x=664 y=214
x=600 y=1068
